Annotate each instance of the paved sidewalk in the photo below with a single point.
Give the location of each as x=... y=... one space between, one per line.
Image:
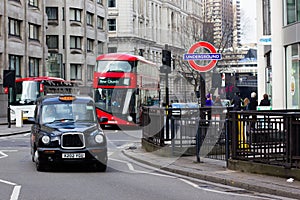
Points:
x=208 y=169
x=216 y=171
x=13 y=130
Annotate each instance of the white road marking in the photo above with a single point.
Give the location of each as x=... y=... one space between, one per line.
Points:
x=197 y=186
x=2 y=155
x=16 y=191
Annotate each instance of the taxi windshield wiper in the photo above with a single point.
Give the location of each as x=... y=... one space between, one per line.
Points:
x=65 y=120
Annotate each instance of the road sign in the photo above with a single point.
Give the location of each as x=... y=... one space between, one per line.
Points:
x=213 y=56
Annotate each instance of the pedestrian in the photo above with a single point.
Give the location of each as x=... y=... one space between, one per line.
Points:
x=217 y=101
x=252 y=106
x=209 y=101
x=253 y=102
x=246 y=104
x=265 y=101
x=236 y=101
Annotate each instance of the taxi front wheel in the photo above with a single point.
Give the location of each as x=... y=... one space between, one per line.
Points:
x=39 y=166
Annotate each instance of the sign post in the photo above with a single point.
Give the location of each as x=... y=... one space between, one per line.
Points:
x=213 y=56
x=9 y=77
x=192 y=57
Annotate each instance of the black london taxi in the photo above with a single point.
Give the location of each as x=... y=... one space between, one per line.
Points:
x=66 y=130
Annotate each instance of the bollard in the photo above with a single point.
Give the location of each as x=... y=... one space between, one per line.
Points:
x=19 y=118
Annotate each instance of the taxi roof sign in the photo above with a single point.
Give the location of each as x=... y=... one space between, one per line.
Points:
x=66 y=98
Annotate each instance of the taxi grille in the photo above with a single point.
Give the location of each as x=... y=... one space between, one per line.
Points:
x=72 y=141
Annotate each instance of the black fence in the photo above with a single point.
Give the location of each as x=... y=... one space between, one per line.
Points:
x=192 y=131
x=270 y=137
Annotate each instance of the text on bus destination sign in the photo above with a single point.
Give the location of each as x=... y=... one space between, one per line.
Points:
x=114 y=81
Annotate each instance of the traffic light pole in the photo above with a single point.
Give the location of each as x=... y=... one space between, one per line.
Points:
x=166 y=68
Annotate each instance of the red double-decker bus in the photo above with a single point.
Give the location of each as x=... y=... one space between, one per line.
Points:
x=23 y=97
x=123 y=83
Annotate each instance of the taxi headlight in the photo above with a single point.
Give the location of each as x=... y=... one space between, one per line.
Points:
x=46 y=139
x=99 y=138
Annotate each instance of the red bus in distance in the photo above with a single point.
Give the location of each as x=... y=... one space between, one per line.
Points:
x=28 y=89
x=123 y=83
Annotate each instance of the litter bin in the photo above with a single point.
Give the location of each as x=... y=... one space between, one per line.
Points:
x=19 y=118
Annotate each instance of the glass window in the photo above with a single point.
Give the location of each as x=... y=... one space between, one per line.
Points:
x=291 y=11
x=89 y=19
x=90 y=45
x=100 y=21
x=266 y=17
x=52 y=41
x=112 y=24
x=34 y=66
x=99 y=1
x=75 y=14
x=293 y=75
x=100 y=47
x=33 y=3
x=52 y=13
x=114 y=66
x=76 y=72
x=75 y=42
x=33 y=32
x=14 y=27
x=111 y=3
x=15 y=64
x=90 y=72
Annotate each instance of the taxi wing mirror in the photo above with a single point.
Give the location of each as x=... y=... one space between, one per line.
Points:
x=103 y=119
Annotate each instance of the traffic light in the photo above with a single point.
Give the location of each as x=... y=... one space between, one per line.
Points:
x=166 y=57
x=9 y=78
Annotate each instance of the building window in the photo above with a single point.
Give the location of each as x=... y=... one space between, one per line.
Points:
x=33 y=67
x=293 y=77
x=266 y=17
x=75 y=14
x=100 y=47
x=112 y=26
x=52 y=13
x=90 y=45
x=291 y=11
x=90 y=72
x=76 y=72
x=100 y=21
x=112 y=50
x=52 y=41
x=89 y=19
x=75 y=42
x=33 y=32
x=111 y=3
x=33 y=3
x=14 y=27
x=15 y=64
x=99 y=1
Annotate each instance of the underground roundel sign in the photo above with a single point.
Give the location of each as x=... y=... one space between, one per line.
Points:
x=213 y=56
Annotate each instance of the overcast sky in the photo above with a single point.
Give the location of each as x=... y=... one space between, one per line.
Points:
x=248 y=21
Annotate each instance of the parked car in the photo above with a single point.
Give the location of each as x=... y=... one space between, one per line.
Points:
x=225 y=102
x=66 y=130
x=179 y=109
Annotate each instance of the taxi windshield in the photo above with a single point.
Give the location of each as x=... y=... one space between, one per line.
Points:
x=68 y=112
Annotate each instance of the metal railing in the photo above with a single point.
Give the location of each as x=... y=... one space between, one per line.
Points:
x=269 y=137
x=192 y=131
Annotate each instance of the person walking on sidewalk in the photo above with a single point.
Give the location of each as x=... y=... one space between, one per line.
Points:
x=265 y=101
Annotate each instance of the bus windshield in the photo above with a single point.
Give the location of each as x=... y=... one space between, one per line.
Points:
x=116 y=101
x=114 y=66
x=26 y=93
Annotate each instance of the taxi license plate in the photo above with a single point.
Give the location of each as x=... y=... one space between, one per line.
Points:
x=73 y=155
